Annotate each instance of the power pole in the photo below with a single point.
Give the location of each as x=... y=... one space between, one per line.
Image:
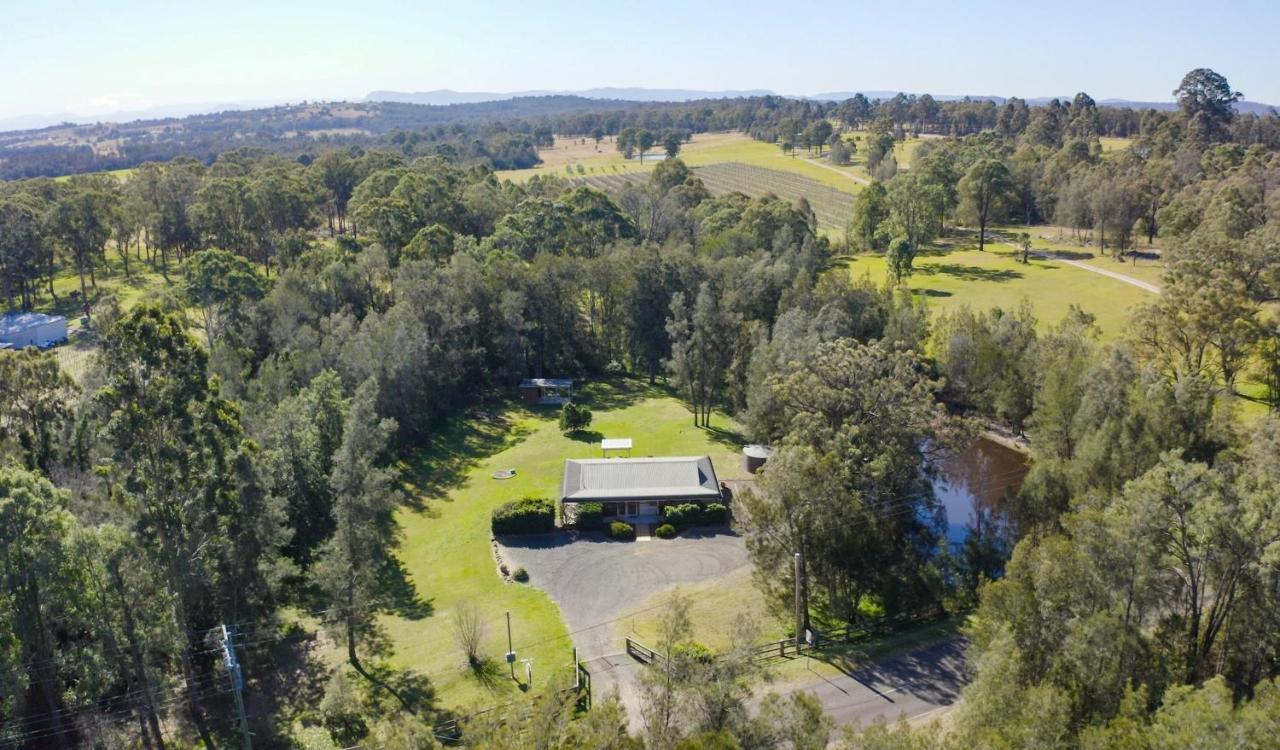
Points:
x=237 y=682
x=511 y=652
x=799 y=606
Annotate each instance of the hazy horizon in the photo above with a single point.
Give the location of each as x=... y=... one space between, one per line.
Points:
x=145 y=54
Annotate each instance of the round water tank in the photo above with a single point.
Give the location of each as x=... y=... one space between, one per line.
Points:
x=754 y=457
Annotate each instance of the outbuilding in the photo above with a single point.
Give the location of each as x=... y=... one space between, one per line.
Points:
x=22 y=329
x=546 y=391
x=637 y=489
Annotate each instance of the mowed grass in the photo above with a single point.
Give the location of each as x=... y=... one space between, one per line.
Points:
x=714 y=608
x=446 y=549
x=955 y=275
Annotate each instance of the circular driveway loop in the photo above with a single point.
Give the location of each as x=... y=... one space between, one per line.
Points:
x=595 y=580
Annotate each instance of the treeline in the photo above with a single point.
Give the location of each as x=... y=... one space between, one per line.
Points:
x=503 y=134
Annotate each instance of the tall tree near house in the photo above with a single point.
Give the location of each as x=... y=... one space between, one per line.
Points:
x=221 y=284
x=339 y=173
x=81 y=221
x=984 y=190
x=1206 y=98
x=364 y=498
x=23 y=243
x=170 y=436
x=35 y=530
x=701 y=349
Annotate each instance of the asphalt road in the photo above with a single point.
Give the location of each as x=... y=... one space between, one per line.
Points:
x=598 y=584
x=913 y=685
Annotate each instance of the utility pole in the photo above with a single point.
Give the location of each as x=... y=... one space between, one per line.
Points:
x=799 y=606
x=237 y=682
x=511 y=652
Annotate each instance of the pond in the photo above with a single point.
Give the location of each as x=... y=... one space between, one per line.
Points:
x=971 y=484
x=651 y=156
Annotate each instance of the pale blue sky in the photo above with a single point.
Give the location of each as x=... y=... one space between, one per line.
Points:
x=91 y=57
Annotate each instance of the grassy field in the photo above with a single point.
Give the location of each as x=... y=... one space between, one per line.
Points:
x=446 y=549
x=834 y=208
x=958 y=274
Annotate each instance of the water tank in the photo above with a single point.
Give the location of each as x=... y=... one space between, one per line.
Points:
x=754 y=456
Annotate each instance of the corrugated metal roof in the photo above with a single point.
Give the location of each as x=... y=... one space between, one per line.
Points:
x=546 y=383
x=675 y=478
x=16 y=322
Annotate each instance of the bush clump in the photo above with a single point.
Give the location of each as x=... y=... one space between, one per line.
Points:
x=684 y=515
x=574 y=417
x=532 y=515
x=521 y=575
x=589 y=517
x=715 y=514
x=622 y=530
x=665 y=531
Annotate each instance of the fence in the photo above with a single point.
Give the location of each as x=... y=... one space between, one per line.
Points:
x=643 y=653
x=449 y=731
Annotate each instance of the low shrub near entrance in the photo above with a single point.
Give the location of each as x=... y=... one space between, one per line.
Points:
x=715 y=514
x=622 y=530
x=684 y=515
x=532 y=515
x=589 y=517
x=665 y=531
x=521 y=575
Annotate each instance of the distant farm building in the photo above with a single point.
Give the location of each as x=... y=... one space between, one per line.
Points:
x=637 y=489
x=18 y=330
x=546 y=391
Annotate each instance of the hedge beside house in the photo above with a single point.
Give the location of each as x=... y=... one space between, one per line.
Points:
x=532 y=515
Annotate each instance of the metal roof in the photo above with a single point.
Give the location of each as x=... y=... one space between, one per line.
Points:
x=17 y=322
x=546 y=383
x=675 y=478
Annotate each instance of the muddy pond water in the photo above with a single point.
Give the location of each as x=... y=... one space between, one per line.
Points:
x=970 y=485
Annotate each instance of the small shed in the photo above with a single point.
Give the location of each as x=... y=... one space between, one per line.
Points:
x=22 y=329
x=615 y=445
x=755 y=456
x=546 y=391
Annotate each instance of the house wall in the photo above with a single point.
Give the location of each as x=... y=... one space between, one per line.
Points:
x=54 y=330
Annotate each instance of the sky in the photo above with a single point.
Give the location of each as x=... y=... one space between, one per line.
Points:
x=100 y=57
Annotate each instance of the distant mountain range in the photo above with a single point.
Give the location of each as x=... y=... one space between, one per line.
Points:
x=634 y=94
x=446 y=97
x=637 y=94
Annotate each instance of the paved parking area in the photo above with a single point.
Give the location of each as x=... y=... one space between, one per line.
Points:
x=596 y=581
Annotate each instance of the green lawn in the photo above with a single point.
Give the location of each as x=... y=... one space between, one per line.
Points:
x=446 y=549
x=962 y=275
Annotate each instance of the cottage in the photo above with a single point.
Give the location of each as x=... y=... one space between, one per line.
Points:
x=22 y=329
x=546 y=391
x=637 y=489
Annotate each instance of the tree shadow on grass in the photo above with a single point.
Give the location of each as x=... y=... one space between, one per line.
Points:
x=617 y=393
x=730 y=438
x=969 y=273
x=585 y=436
x=400 y=592
x=488 y=672
x=466 y=439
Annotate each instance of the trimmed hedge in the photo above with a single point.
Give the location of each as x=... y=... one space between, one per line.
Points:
x=621 y=530
x=715 y=514
x=665 y=531
x=590 y=516
x=532 y=515
x=521 y=575
x=683 y=516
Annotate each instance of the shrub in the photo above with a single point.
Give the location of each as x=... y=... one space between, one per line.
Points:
x=521 y=575
x=665 y=531
x=715 y=514
x=531 y=515
x=589 y=517
x=574 y=417
x=683 y=516
x=622 y=530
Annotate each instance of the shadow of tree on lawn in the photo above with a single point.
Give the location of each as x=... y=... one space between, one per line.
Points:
x=969 y=273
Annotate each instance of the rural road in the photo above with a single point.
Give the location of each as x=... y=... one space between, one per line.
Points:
x=1117 y=276
x=855 y=178
x=597 y=585
x=913 y=685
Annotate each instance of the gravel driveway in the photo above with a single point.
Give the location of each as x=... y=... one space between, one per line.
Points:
x=595 y=580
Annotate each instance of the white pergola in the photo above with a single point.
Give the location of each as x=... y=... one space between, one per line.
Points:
x=619 y=445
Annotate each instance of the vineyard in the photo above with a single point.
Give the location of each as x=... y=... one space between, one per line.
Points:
x=832 y=207
x=610 y=183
